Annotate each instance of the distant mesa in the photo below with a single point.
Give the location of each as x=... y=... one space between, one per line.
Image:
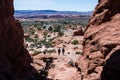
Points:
x=51 y=11
x=48 y=13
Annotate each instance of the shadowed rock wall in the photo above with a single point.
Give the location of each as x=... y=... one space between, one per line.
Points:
x=14 y=58
x=102 y=39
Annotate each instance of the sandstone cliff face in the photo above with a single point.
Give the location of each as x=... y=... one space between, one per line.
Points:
x=14 y=58
x=102 y=42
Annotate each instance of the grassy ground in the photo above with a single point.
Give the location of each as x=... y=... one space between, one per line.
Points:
x=67 y=21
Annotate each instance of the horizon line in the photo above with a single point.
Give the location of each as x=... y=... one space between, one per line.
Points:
x=50 y=9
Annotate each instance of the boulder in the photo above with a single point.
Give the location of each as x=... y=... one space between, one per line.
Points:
x=26 y=35
x=78 y=32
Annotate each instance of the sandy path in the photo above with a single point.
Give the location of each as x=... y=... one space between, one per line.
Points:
x=62 y=70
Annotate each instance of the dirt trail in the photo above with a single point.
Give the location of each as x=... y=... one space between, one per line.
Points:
x=62 y=67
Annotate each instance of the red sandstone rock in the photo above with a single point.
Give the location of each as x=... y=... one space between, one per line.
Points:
x=79 y=32
x=102 y=39
x=14 y=58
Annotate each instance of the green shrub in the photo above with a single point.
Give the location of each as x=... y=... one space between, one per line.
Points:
x=75 y=42
x=78 y=52
x=35 y=41
x=39 y=27
x=28 y=39
x=44 y=27
x=60 y=33
x=65 y=22
x=31 y=49
x=32 y=46
x=47 y=44
x=76 y=47
x=57 y=29
x=32 y=31
x=43 y=41
x=36 y=36
x=71 y=63
x=50 y=28
x=51 y=51
x=35 y=25
x=37 y=52
x=38 y=45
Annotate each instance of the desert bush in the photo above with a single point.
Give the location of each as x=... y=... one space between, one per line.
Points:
x=38 y=45
x=28 y=39
x=39 y=27
x=37 y=52
x=32 y=46
x=43 y=41
x=75 y=42
x=50 y=28
x=57 y=29
x=36 y=36
x=60 y=33
x=76 y=47
x=32 y=31
x=78 y=52
x=71 y=63
x=68 y=52
x=65 y=22
x=51 y=51
x=47 y=44
x=44 y=27
x=31 y=49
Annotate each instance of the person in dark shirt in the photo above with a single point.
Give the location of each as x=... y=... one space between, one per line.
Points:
x=59 y=51
x=63 y=51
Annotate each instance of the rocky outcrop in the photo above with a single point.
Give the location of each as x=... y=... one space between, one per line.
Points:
x=101 y=41
x=78 y=32
x=14 y=58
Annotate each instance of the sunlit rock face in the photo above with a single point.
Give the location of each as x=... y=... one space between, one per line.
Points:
x=14 y=58
x=101 y=40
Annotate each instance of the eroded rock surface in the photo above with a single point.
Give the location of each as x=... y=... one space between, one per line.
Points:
x=102 y=39
x=79 y=32
x=14 y=58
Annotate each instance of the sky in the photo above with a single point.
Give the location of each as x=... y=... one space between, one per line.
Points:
x=60 y=5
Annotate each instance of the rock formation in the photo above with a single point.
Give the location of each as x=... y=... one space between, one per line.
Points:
x=102 y=43
x=79 y=32
x=14 y=58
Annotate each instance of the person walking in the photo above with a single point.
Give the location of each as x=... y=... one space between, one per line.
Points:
x=59 y=51
x=44 y=52
x=63 y=51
